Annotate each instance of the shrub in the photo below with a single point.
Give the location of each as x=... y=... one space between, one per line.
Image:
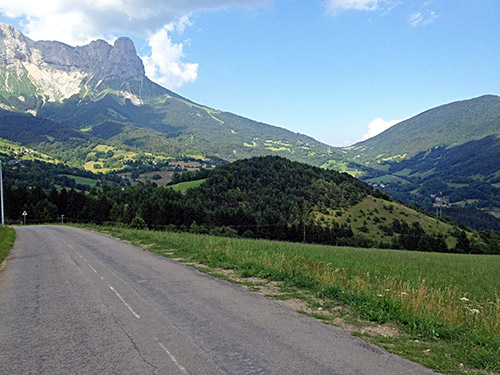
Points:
x=138 y=223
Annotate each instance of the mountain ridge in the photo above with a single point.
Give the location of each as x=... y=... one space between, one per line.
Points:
x=94 y=87
x=447 y=125
x=445 y=158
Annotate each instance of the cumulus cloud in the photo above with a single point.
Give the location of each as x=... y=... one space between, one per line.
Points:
x=335 y=6
x=422 y=18
x=378 y=126
x=77 y=22
x=164 y=65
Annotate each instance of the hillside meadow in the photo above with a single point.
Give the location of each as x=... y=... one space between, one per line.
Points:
x=448 y=302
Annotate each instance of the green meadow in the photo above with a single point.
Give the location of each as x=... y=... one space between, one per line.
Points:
x=82 y=180
x=184 y=186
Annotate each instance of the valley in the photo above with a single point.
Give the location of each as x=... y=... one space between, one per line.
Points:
x=401 y=230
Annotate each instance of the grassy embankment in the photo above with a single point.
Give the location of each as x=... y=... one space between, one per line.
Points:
x=7 y=237
x=445 y=306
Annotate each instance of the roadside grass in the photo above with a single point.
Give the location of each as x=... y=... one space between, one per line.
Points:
x=447 y=306
x=7 y=237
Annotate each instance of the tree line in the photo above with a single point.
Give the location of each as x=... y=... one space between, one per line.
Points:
x=266 y=197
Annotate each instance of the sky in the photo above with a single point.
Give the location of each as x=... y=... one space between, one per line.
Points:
x=338 y=70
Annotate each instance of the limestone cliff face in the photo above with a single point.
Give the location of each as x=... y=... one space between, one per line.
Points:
x=49 y=71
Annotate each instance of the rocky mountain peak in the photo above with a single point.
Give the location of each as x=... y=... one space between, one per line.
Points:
x=56 y=71
x=123 y=62
x=9 y=31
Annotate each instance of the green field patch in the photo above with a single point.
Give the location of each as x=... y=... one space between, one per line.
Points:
x=387 y=178
x=103 y=148
x=404 y=172
x=380 y=157
x=18 y=151
x=278 y=149
x=123 y=154
x=342 y=167
x=95 y=167
x=253 y=144
x=184 y=186
x=368 y=216
x=270 y=142
x=82 y=180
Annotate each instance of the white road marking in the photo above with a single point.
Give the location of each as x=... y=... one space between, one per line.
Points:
x=124 y=302
x=93 y=269
x=181 y=367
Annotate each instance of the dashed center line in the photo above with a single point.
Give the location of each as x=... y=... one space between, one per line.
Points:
x=124 y=302
x=97 y=273
x=170 y=355
x=181 y=367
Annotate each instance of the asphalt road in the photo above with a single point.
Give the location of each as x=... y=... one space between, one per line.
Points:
x=77 y=302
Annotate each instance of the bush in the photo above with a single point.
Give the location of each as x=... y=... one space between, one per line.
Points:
x=248 y=234
x=138 y=223
x=224 y=232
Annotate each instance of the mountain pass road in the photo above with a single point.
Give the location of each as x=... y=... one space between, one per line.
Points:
x=77 y=302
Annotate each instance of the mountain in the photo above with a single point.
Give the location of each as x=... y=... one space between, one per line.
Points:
x=447 y=126
x=445 y=158
x=102 y=90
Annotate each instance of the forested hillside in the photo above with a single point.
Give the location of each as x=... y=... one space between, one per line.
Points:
x=448 y=125
x=444 y=159
x=265 y=197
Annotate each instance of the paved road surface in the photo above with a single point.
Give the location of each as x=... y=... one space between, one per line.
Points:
x=78 y=302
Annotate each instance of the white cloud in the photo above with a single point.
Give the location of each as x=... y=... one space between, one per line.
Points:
x=164 y=65
x=378 y=126
x=335 y=6
x=422 y=19
x=77 y=22
x=106 y=17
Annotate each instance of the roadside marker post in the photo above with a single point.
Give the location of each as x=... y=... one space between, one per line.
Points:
x=24 y=216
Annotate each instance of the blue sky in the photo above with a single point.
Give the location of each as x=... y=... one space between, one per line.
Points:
x=332 y=69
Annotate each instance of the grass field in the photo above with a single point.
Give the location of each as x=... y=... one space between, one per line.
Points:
x=82 y=180
x=7 y=237
x=371 y=213
x=447 y=306
x=183 y=186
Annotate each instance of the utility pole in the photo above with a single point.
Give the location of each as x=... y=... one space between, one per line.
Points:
x=1 y=196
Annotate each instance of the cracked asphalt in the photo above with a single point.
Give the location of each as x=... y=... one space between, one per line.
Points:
x=78 y=302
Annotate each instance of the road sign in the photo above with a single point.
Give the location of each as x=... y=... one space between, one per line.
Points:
x=24 y=216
